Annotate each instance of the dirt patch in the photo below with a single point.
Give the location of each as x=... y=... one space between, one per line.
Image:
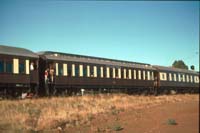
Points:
x=152 y=119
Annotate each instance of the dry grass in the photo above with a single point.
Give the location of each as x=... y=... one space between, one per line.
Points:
x=58 y=113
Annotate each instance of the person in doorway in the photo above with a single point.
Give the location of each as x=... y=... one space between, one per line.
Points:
x=46 y=75
x=32 y=66
x=51 y=74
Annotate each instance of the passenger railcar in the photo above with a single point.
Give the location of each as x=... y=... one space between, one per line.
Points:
x=179 y=80
x=16 y=75
x=73 y=72
x=22 y=70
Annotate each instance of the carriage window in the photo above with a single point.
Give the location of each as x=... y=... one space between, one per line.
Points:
x=196 y=79
x=88 y=71
x=144 y=75
x=124 y=74
x=135 y=74
x=148 y=75
x=118 y=73
x=27 y=67
x=129 y=74
x=60 y=69
x=73 y=70
x=70 y=70
x=76 y=70
x=139 y=74
x=174 y=77
x=21 y=67
x=98 y=71
x=107 y=72
x=114 y=74
x=187 y=78
x=9 y=67
x=170 y=77
x=111 y=72
x=81 y=70
x=95 y=71
x=102 y=72
x=152 y=75
x=163 y=76
x=183 y=77
x=65 y=69
x=1 y=66
x=191 y=78
x=179 y=77
x=91 y=71
x=84 y=71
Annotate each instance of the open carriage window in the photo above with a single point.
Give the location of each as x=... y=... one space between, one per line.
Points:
x=1 y=66
x=9 y=67
x=21 y=67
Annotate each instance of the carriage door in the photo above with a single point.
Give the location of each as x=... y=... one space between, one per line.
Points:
x=33 y=71
x=156 y=79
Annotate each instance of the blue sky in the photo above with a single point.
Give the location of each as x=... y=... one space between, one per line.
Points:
x=155 y=32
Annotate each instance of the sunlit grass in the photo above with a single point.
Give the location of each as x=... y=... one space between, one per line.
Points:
x=51 y=113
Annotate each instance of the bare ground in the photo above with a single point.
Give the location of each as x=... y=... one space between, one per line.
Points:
x=152 y=119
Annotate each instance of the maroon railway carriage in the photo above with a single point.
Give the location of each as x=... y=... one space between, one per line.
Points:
x=180 y=80
x=75 y=72
x=18 y=70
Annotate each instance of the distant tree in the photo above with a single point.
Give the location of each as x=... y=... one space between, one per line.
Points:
x=179 y=64
x=192 y=67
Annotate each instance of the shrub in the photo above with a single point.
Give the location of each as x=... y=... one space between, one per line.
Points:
x=171 y=122
x=117 y=128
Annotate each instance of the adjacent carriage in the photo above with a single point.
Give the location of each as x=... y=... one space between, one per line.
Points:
x=16 y=75
x=75 y=72
x=179 y=80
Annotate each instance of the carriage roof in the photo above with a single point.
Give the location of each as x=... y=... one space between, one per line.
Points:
x=15 y=51
x=90 y=59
